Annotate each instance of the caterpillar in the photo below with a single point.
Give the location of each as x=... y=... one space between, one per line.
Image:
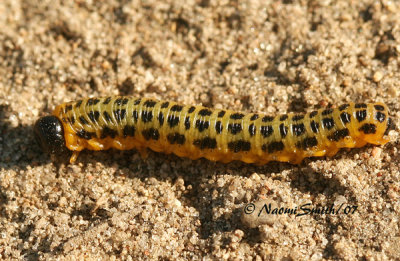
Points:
x=219 y=135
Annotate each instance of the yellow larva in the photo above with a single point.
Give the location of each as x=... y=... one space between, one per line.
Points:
x=220 y=135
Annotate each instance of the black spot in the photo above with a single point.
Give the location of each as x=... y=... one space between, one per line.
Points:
x=379 y=116
x=308 y=143
x=298 y=117
x=107 y=132
x=328 y=123
x=273 y=146
x=218 y=127
x=205 y=112
x=202 y=125
x=237 y=116
x=125 y=101
x=252 y=129
x=119 y=114
x=191 y=109
x=360 y=105
x=187 y=123
x=205 y=143
x=129 y=131
x=135 y=116
x=339 y=134
x=149 y=103
x=314 y=126
x=379 y=107
x=107 y=100
x=176 y=138
x=235 y=128
x=151 y=133
x=390 y=126
x=266 y=131
x=254 y=117
x=78 y=104
x=164 y=105
x=343 y=106
x=72 y=120
x=85 y=134
x=147 y=116
x=173 y=120
x=107 y=116
x=94 y=116
x=239 y=145
x=161 y=118
x=361 y=115
x=221 y=114
x=83 y=120
x=368 y=128
x=118 y=101
x=327 y=112
x=92 y=101
x=313 y=114
x=176 y=107
x=137 y=101
x=345 y=117
x=283 y=117
x=283 y=130
x=298 y=129
x=267 y=119
x=68 y=108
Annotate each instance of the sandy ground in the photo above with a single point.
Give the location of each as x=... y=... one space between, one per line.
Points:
x=270 y=56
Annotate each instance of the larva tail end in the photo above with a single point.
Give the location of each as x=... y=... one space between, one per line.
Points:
x=49 y=134
x=390 y=126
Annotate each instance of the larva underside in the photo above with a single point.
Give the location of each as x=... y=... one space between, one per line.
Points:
x=220 y=135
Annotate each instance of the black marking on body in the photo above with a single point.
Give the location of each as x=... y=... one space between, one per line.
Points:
x=379 y=107
x=218 y=127
x=308 y=142
x=298 y=129
x=205 y=112
x=147 y=116
x=221 y=114
x=119 y=114
x=235 y=128
x=151 y=134
x=283 y=117
x=191 y=109
x=149 y=103
x=313 y=114
x=135 y=115
x=343 y=106
x=78 y=104
x=83 y=120
x=252 y=129
x=107 y=101
x=164 y=105
x=368 y=128
x=173 y=120
x=239 y=145
x=161 y=118
x=108 y=132
x=283 y=130
x=314 y=126
x=129 y=131
x=379 y=116
x=107 y=116
x=345 y=117
x=361 y=115
x=298 y=117
x=266 y=131
x=176 y=107
x=176 y=138
x=68 y=108
x=328 y=123
x=267 y=119
x=205 y=143
x=339 y=134
x=274 y=146
x=87 y=135
x=360 y=105
x=237 y=116
x=202 y=125
x=94 y=116
x=187 y=122
x=92 y=101
x=72 y=120
x=327 y=112
x=254 y=117
x=118 y=101
x=137 y=101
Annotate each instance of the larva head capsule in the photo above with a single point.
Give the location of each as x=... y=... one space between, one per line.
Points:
x=50 y=135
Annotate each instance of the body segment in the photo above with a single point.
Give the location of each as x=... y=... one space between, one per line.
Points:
x=220 y=135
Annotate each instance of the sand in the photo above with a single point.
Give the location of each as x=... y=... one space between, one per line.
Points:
x=269 y=56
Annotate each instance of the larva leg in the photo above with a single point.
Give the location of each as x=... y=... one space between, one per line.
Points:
x=74 y=156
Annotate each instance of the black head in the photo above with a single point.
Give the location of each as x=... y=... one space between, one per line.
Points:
x=49 y=133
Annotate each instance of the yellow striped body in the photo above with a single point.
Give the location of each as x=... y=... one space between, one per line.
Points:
x=220 y=135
